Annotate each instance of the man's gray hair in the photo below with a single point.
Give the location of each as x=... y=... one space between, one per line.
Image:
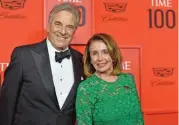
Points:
x=66 y=6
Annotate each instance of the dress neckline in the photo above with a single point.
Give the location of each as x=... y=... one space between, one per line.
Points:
x=97 y=77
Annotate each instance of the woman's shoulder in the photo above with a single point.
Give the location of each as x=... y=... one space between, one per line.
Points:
x=87 y=83
x=126 y=78
x=126 y=75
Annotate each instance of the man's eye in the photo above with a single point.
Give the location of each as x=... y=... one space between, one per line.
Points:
x=58 y=24
x=70 y=27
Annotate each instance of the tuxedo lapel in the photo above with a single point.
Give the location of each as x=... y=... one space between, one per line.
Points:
x=42 y=62
x=77 y=78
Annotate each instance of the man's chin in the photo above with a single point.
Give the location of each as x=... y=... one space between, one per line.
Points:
x=61 y=47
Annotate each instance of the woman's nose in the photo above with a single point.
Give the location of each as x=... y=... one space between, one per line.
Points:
x=100 y=57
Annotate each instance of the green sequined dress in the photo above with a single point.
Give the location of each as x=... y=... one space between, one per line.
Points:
x=108 y=103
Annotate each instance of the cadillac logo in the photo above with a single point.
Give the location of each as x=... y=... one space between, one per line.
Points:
x=163 y=72
x=115 y=7
x=12 y=4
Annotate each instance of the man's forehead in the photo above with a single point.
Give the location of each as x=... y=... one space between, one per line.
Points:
x=64 y=20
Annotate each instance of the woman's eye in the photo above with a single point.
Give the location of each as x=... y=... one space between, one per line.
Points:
x=106 y=52
x=94 y=53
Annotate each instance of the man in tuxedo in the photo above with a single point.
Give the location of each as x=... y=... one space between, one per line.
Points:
x=41 y=80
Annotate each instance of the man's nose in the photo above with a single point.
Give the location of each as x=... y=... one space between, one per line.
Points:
x=63 y=30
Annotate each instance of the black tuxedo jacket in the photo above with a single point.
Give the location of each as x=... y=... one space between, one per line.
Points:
x=28 y=95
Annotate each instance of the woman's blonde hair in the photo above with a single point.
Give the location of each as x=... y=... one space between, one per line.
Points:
x=113 y=49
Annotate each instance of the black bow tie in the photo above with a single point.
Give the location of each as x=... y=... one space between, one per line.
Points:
x=59 y=56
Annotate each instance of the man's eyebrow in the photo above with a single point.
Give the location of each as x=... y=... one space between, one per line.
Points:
x=58 y=22
x=70 y=25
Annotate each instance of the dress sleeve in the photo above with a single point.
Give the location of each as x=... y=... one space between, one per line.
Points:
x=136 y=100
x=84 y=105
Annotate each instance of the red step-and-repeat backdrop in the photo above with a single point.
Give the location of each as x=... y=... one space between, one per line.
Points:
x=146 y=32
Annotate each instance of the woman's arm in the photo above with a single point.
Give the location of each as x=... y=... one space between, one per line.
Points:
x=136 y=100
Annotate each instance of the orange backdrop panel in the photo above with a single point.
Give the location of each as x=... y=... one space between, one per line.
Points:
x=153 y=27
x=20 y=23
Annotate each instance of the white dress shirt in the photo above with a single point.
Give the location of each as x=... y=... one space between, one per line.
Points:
x=62 y=73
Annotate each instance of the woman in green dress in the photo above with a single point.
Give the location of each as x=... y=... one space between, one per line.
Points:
x=107 y=96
